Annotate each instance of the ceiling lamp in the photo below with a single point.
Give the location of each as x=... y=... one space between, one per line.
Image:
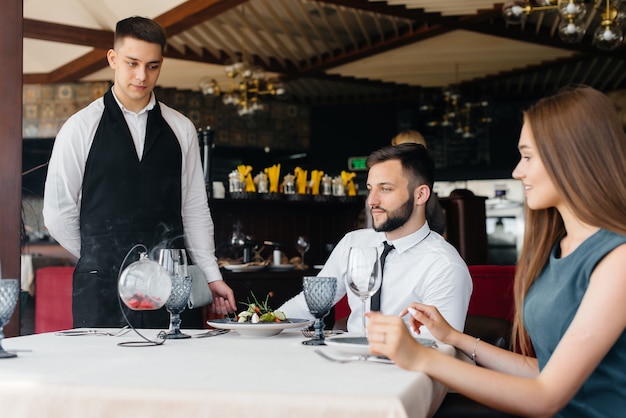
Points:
x=247 y=84
x=459 y=116
x=572 y=28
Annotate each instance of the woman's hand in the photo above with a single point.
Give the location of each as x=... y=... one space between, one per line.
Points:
x=430 y=317
x=389 y=336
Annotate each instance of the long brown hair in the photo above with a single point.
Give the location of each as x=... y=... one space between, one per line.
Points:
x=581 y=142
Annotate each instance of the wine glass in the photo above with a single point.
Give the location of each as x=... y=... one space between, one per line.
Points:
x=174 y=261
x=319 y=293
x=302 y=245
x=363 y=274
x=9 y=289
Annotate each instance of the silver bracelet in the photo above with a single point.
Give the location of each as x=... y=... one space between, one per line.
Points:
x=474 y=351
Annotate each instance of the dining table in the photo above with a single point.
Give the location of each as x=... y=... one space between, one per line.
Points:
x=228 y=375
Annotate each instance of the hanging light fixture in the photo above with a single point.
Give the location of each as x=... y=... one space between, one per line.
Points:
x=572 y=27
x=609 y=35
x=247 y=84
x=460 y=116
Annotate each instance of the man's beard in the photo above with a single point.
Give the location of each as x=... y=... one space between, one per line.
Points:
x=398 y=217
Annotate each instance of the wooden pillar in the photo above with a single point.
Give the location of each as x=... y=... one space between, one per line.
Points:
x=11 y=53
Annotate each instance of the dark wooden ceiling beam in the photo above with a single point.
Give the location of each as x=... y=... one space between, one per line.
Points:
x=386 y=9
x=192 y=13
x=377 y=47
x=541 y=36
x=81 y=67
x=392 y=41
x=55 y=32
x=174 y=21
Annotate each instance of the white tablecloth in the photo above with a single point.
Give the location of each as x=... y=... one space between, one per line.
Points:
x=223 y=376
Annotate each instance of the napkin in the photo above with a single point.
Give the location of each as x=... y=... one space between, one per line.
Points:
x=200 y=293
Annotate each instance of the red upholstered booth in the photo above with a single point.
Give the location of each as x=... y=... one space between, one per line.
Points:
x=53 y=299
x=493 y=291
x=492 y=295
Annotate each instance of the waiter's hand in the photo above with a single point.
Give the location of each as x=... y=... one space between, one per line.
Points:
x=223 y=298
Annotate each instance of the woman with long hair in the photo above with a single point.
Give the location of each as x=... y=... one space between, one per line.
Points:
x=570 y=284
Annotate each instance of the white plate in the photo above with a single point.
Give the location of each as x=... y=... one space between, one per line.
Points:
x=236 y=268
x=354 y=344
x=281 y=267
x=261 y=329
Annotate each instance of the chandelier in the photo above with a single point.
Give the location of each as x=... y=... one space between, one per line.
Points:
x=460 y=116
x=247 y=83
x=573 y=26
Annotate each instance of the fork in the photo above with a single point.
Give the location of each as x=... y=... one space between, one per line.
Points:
x=356 y=357
x=211 y=333
x=310 y=333
x=76 y=332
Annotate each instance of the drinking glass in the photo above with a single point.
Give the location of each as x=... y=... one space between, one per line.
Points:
x=319 y=293
x=9 y=290
x=174 y=261
x=363 y=274
x=302 y=245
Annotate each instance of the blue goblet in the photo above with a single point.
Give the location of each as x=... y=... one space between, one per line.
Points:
x=174 y=261
x=9 y=289
x=319 y=293
x=176 y=304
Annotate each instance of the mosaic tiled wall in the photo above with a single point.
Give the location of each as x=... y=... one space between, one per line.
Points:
x=47 y=106
x=282 y=125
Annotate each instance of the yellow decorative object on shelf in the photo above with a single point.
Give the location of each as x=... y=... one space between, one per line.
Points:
x=273 y=176
x=300 y=175
x=348 y=182
x=316 y=177
x=246 y=178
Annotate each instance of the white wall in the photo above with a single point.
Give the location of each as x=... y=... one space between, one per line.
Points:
x=487 y=188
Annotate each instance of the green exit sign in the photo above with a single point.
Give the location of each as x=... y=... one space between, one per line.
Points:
x=357 y=163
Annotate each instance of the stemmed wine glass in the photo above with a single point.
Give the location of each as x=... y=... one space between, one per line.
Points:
x=302 y=245
x=363 y=275
x=174 y=261
x=9 y=289
x=319 y=293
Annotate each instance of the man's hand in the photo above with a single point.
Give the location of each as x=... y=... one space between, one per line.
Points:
x=223 y=298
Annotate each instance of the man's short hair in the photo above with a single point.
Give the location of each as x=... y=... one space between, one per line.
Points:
x=140 y=28
x=415 y=159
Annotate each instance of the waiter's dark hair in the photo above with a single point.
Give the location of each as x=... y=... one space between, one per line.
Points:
x=140 y=28
x=416 y=162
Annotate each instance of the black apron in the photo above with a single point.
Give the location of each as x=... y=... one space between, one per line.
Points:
x=125 y=202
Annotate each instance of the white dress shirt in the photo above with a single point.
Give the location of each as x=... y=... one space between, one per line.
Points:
x=423 y=267
x=63 y=189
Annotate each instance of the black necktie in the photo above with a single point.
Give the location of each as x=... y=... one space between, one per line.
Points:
x=375 y=303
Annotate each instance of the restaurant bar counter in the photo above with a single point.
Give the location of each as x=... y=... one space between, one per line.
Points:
x=222 y=376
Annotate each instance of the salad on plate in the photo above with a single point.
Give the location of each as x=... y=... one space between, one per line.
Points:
x=257 y=312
